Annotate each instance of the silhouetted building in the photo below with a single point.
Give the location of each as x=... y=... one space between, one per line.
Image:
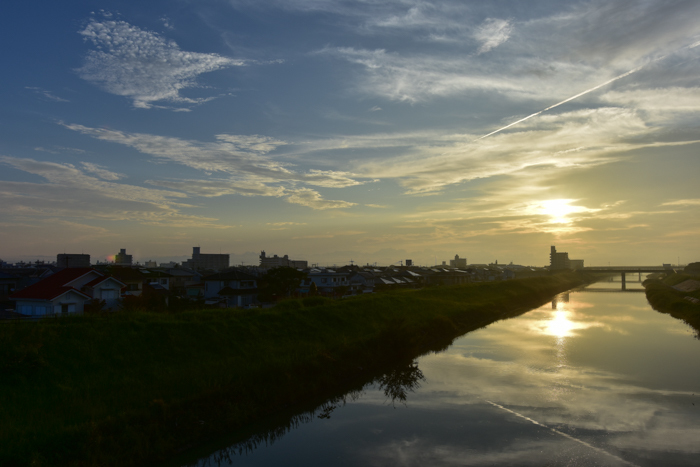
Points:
x=269 y=262
x=64 y=260
x=409 y=262
x=576 y=264
x=122 y=259
x=458 y=262
x=199 y=261
x=558 y=261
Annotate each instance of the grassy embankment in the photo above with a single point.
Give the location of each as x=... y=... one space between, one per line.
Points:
x=136 y=388
x=664 y=298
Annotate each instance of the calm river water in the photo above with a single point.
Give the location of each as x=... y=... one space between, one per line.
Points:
x=594 y=378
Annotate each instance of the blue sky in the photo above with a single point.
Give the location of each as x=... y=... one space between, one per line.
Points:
x=339 y=130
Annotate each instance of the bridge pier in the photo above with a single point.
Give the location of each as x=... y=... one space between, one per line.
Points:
x=624 y=285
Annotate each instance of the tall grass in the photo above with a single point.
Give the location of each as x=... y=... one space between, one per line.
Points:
x=134 y=388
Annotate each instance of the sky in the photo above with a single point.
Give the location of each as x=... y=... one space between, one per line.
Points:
x=352 y=130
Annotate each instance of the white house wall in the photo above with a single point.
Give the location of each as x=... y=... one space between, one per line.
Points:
x=74 y=303
x=109 y=291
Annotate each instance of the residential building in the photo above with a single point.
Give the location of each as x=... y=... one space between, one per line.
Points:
x=269 y=262
x=156 y=279
x=328 y=281
x=558 y=261
x=202 y=261
x=184 y=279
x=64 y=260
x=66 y=292
x=361 y=282
x=132 y=279
x=576 y=264
x=458 y=262
x=122 y=259
x=231 y=289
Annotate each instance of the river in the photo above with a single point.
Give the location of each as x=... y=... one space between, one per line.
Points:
x=594 y=378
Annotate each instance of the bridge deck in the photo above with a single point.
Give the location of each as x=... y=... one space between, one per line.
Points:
x=621 y=269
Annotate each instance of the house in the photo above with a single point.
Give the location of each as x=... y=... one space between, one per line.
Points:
x=232 y=288
x=361 y=282
x=26 y=276
x=156 y=279
x=66 y=292
x=183 y=279
x=132 y=278
x=328 y=281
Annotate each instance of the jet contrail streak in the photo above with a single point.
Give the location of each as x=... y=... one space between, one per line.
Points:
x=565 y=435
x=691 y=46
x=569 y=99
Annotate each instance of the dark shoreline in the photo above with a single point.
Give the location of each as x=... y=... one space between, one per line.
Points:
x=665 y=299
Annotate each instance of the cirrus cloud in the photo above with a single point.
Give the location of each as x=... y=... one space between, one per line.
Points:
x=143 y=66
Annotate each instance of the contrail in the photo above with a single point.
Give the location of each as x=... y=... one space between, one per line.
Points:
x=588 y=445
x=567 y=100
x=691 y=46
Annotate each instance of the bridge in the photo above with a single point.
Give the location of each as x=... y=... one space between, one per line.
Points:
x=624 y=270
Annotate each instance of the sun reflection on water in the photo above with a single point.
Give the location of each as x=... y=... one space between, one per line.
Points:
x=560 y=325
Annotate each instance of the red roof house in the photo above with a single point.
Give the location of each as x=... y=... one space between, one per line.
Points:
x=66 y=291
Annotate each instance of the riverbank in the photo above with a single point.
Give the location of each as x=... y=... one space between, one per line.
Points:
x=136 y=388
x=664 y=298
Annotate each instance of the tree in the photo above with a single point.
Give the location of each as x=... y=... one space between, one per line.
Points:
x=280 y=282
x=313 y=289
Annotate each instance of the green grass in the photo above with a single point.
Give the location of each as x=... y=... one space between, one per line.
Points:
x=663 y=298
x=134 y=388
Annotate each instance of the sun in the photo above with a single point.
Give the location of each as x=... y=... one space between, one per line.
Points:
x=559 y=209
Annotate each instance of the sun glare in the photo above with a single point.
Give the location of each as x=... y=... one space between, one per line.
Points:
x=560 y=325
x=558 y=210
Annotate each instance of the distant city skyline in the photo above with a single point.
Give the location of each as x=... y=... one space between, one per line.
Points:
x=352 y=130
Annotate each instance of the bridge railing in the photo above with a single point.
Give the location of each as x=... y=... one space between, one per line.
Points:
x=625 y=268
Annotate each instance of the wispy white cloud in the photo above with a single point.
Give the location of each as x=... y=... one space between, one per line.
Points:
x=492 y=33
x=596 y=135
x=46 y=94
x=313 y=199
x=70 y=193
x=283 y=225
x=660 y=103
x=683 y=202
x=167 y=23
x=60 y=150
x=143 y=66
x=417 y=78
x=101 y=172
x=242 y=156
x=279 y=224
x=211 y=187
x=68 y=175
